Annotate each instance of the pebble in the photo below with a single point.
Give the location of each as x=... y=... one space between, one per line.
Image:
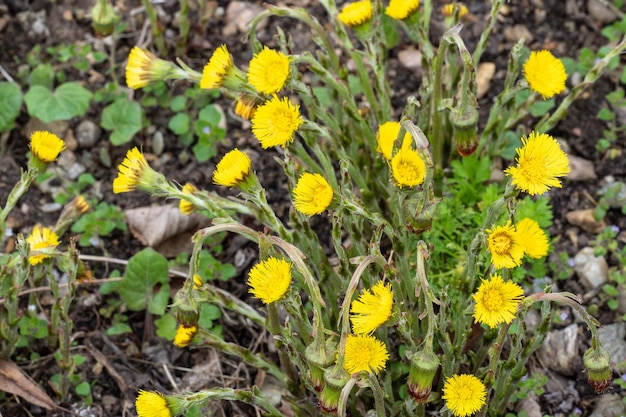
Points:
x=87 y=134
x=238 y=17
x=484 y=75
x=616 y=193
x=600 y=12
x=559 y=352
x=410 y=58
x=612 y=337
x=580 y=169
x=51 y=207
x=516 y=32
x=609 y=405
x=592 y=270
x=585 y=220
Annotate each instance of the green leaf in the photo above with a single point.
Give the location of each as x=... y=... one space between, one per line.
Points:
x=208 y=313
x=67 y=101
x=539 y=108
x=42 y=75
x=10 y=103
x=145 y=283
x=179 y=124
x=119 y=328
x=605 y=114
x=123 y=117
x=178 y=103
x=166 y=326
x=83 y=389
x=210 y=115
x=610 y=290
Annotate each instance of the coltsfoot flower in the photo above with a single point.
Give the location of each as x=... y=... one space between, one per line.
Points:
x=220 y=63
x=269 y=70
x=312 y=194
x=539 y=163
x=275 y=122
x=464 y=394
x=233 y=169
x=246 y=106
x=186 y=207
x=496 y=301
x=152 y=404
x=386 y=136
x=144 y=67
x=357 y=13
x=134 y=172
x=533 y=238
x=545 y=74
x=41 y=238
x=407 y=168
x=505 y=247
x=184 y=335
x=46 y=146
x=372 y=308
x=364 y=353
x=269 y=280
x=401 y=9
x=448 y=9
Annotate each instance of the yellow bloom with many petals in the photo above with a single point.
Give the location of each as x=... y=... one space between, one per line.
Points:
x=41 y=238
x=448 y=9
x=246 y=106
x=312 y=194
x=357 y=13
x=269 y=70
x=464 y=394
x=540 y=162
x=46 y=146
x=134 y=172
x=533 y=238
x=545 y=73
x=187 y=207
x=505 y=247
x=372 y=308
x=269 y=280
x=407 y=167
x=152 y=404
x=387 y=135
x=233 y=169
x=217 y=68
x=184 y=335
x=364 y=353
x=275 y=122
x=401 y=9
x=144 y=67
x=496 y=301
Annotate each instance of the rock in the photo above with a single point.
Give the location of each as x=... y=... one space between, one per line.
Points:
x=530 y=405
x=580 y=169
x=612 y=338
x=585 y=220
x=614 y=193
x=592 y=270
x=609 y=405
x=238 y=17
x=87 y=134
x=600 y=12
x=484 y=75
x=70 y=140
x=515 y=33
x=560 y=351
x=410 y=58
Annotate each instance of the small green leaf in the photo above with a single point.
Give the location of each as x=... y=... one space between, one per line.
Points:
x=118 y=328
x=210 y=115
x=178 y=103
x=42 y=75
x=67 y=101
x=83 y=389
x=145 y=283
x=605 y=114
x=179 y=124
x=610 y=290
x=10 y=103
x=539 y=108
x=208 y=313
x=166 y=326
x=123 y=117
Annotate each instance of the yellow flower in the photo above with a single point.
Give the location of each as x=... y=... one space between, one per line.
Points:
x=187 y=207
x=372 y=308
x=364 y=353
x=464 y=394
x=268 y=71
x=219 y=65
x=448 y=9
x=80 y=204
x=386 y=136
x=540 y=161
x=505 y=246
x=357 y=13
x=184 y=335
x=407 y=167
x=269 y=280
x=46 y=146
x=134 y=172
x=401 y=9
x=533 y=238
x=197 y=282
x=246 y=107
x=41 y=238
x=152 y=404
x=312 y=194
x=233 y=169
x=545 y=73
x=143 y=67
x=496 y=301
x=275 y=122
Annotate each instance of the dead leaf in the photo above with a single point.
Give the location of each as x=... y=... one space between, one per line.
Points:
x=14 y=381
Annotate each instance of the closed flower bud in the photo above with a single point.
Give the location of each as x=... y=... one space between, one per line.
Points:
x=103 y=18
x=335 y=380
x=319 y=360
x=598 y=366
x=464 y=123
x=424 y=366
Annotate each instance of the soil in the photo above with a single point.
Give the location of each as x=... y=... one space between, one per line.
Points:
x=121 y=365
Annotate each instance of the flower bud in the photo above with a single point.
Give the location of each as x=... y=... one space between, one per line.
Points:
x=103 y=18
x=424 y=366
x=335 y=379
x=598 y=366
x=464 y=123
x=319 y=361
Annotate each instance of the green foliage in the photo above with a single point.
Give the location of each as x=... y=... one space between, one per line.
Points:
x=10 y=103
x=213 y=269
x=145 y=284
x=84 y=181
x=207 y=129
x=538 y=209
x=123 y=119
x=99 y=222
x=68 y=100
x=615 y=102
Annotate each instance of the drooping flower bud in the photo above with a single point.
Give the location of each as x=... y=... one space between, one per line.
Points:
x=335 y=379
x=424 y=366
x=598 y=366
x=464 y=124
x=319 y=360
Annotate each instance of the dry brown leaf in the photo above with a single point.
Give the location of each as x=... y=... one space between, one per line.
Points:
x=14 y=381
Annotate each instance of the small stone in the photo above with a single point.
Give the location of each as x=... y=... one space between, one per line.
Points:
x=484 y=75
x=600 y=12
x=75 y=170
x=158 y=142
x=238 y=17
x=560 y=351
x=51 y=207
x=592 y=270
x=585 y=220
x=515 y=33
x=614 y=193
x=613 y=339
x=87 y=134
x=609 y=405
x=580 y=169
x=410 y=58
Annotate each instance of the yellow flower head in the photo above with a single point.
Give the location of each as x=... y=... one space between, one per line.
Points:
x=275 y=122
x=46 y=146
x=386 y=136
x=401 y=9
x=464 y=394
x=184 y=335
x=312 y=194
x=357 y=13
x=407 y=167
x=246 y=106
x=269 y=280
x=80 y=204
x=364 y=353
x=269 y=71
x=197 y=282
x=540 y=161
x=496 y=301
x=187 y=207
x=505 y=246
x=233 y=169
x=144 y=67
x=372 y=308
x=448 y=10
x=545 y=73
x=134 y=172
x=219 y=65
x=41 y=238
x=533 y=238
x=152 y=404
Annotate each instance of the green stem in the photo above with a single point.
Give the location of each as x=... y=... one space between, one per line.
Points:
x=16 y=193
x=157 y=28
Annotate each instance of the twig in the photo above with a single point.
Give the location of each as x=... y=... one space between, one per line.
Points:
x=6 y=75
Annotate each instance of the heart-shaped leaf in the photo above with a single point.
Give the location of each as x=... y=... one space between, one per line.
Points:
x=145 y=283
x=67 y=101
x=10 y=103
x=123 y=117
